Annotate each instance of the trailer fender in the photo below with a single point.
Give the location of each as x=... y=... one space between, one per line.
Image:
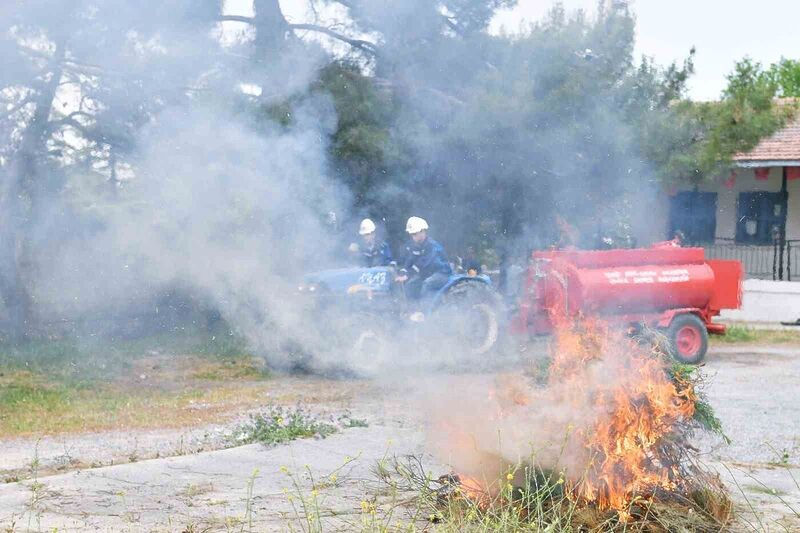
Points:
x=667 y=317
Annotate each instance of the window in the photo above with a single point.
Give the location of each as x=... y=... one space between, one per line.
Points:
x=694 y=214
x=759 y=216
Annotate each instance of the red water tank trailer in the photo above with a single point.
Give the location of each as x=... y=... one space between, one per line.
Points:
x=665 y=287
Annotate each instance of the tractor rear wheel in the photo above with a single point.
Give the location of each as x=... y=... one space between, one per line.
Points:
x=474 y=312
x=687 y=339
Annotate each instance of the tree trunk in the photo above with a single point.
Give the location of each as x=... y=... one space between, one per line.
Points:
x=21 y=199
x=271 y=28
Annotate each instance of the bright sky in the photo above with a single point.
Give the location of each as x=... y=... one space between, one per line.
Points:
x=722 y=31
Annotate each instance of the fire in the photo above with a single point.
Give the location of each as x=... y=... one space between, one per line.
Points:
x=604 y=419
x=472 y=489
x=638 y=407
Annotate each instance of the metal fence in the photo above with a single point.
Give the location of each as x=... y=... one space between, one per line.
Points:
x=760 y=261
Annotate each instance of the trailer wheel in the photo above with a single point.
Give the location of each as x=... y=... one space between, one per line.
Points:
x=687 y=339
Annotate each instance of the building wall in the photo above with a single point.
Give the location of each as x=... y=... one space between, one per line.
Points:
x=727 y=198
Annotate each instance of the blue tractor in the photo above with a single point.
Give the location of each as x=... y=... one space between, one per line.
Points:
x=365 y=311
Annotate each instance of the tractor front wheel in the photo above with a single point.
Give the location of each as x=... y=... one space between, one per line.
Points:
x=687 y=339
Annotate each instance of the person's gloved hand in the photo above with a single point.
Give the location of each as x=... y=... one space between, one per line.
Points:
x=353 y=247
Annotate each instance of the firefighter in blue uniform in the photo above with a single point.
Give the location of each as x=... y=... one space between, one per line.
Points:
x=425 y=268
x=373 y=253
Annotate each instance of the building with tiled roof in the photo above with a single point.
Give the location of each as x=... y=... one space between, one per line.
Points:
x=752 y=214
x=781 y=149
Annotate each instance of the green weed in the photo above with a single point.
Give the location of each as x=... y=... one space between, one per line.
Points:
x=279 y=424
x=739 y=334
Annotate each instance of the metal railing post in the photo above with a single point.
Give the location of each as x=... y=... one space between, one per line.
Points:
x=775 y=260
x=788 y=260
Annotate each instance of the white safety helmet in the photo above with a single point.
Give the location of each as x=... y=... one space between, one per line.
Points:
x=367 y=226
x=415 y=225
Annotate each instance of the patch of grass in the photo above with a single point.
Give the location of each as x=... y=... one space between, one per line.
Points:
x=30 y=396
x=279 y=424
x=94 y=357
x=738 y=334
x=349 y=422
x=169 y=379
x=527 y=499
x=30 y=405
x=240 y=368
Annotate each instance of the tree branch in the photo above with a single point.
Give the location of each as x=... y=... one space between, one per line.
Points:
x=69 y=121
x=365 y=46
x=79 y=114
x=237 y=18
x=361 y=44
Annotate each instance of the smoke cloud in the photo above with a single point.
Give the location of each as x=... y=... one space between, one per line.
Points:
x=223 y=194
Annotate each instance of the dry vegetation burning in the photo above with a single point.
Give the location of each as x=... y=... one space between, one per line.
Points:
x=602 y=442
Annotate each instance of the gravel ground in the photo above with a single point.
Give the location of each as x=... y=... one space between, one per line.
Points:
x=754 y=391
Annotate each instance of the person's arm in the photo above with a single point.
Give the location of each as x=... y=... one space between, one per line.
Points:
x=433 y=260
x=408 y=263
x=439 y=262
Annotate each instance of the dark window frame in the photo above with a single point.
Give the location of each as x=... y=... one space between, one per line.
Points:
x=765 y=210
x=694 y=214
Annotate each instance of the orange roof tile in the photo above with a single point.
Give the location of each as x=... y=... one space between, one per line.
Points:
x=784 y=145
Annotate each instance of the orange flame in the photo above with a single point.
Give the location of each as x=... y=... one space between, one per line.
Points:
x=473 y=490
x=639 y=406
x=604 y=419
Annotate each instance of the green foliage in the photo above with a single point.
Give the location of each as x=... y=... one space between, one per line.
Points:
x=785 y=74
x=704 y=415
x=349 y=422
x=736 y=333
x=545 y=123
x=700 y=139
x=745 y=115
x=278 y=424
x=361 y=147
x=28 y=395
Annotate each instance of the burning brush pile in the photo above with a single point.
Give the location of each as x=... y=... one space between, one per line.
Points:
x=600 y=440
